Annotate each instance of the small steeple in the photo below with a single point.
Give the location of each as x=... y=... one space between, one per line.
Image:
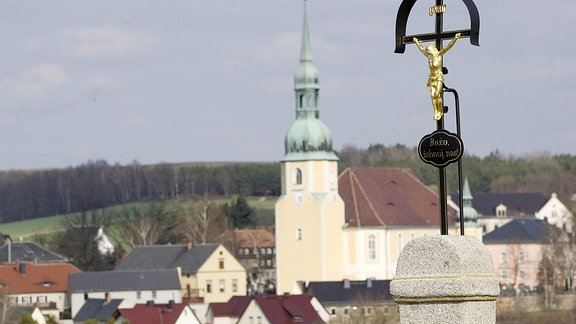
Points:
x=308 y=138
x=469 y=212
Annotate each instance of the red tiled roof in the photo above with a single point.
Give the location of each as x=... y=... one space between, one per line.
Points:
x=388 y=197
x=247 y=238
x=278 y=309
x=36 y=278
x=153 y=314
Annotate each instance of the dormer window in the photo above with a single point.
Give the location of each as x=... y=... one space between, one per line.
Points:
x=501 y=210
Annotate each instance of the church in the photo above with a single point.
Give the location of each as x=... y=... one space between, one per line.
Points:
x=353 y=225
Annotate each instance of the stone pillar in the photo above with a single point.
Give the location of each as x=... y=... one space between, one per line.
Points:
x=445 y=279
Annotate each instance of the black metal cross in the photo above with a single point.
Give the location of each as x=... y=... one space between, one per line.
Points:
x=402 y=19
x=438 y=36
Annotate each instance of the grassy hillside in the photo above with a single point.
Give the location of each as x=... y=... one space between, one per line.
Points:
x=31 y=230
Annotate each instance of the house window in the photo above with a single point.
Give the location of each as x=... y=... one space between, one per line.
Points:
x=221 y=264
x=138 y=295
x=154 y=294
x=269 y=250
x=268 y=263
x=333 y=311
x=298 y=176
x=504 y=275
x=521 y=257
x=41 y=299
x=503 y=257
x=208 y=286
x=299 y=234
x=240 y=251
x=234 y=285
x=259 y=320
x=221 y=285
x=262 y=251
x=522 y=275
x=26 y=300
x=246 y=251
x=372 y=247
x=501 y=210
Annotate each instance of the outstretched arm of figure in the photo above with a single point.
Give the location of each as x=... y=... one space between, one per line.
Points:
x=417 y=42
x=449 y=46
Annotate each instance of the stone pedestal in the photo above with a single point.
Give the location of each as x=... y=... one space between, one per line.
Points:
x=445 y=279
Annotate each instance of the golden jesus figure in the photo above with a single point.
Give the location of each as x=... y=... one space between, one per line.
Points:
x=436 y=77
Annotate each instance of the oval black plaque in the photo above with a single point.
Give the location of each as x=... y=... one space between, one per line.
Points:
x=440 y=148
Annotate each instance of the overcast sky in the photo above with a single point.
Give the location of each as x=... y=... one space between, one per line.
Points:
x=212 y=80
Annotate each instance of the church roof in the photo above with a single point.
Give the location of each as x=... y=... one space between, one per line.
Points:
x=388 y=197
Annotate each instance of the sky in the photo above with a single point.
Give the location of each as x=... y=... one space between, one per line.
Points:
x=212 y=80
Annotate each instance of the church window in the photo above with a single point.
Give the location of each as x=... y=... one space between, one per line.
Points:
x=298 y=176
x=299 y=234
x=372 y=247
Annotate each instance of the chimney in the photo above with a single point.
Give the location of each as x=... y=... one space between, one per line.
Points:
x=189 y=245
x=107 y=299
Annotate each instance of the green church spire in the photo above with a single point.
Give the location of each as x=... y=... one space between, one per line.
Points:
x=308 y=138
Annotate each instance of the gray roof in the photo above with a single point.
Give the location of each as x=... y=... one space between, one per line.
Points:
x=97 y=309
x=107 y=281
x=350 y=292
x=29 y=252
x=519 y=204
x=520 y=231
x=157 y=257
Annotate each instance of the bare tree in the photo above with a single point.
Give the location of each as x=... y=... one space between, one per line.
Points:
x=203 y=222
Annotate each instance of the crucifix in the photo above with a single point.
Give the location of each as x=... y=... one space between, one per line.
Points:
x=451 y=146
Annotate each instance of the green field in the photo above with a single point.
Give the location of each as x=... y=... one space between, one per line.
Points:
x=30 y=230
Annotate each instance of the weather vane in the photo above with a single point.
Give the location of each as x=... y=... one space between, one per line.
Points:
x=441 y=147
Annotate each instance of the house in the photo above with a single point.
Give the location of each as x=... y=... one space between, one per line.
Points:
x=268 y=309
x=255 y=249
x=98 y=309
x=517 y=249
x=104 y=244
x=132 y=287
x=496 y=209
x=357 y=301
x=151 y=313
x=14 y=314
x=43 y=285
x=331 y=227
x=206 y=271
x=28 y=252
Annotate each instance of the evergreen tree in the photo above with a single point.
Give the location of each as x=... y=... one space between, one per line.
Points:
x=240 y=213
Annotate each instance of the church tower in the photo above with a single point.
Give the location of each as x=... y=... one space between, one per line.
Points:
x=309 y=213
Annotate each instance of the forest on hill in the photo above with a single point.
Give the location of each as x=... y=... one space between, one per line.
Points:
x=98 y=184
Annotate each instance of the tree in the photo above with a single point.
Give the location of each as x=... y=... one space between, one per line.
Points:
x=26 y=318
x=240 y=212
x=203 y=222
x=146 y=224
x=555 y=266
x=80 y=243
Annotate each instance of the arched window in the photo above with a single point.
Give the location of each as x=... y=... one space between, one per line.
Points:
x=298 y=176
x=372 y=247
x=299 y=234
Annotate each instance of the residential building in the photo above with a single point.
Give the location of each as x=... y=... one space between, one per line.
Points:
x=43 y=285
x=267 y=309
x=28 y=252
x=104 y=244
x=14 y=314
x=132 y=287
x=556 y=213
x=517 y=248
x=98 y=309
x=153 y=314
x=255 y=249
x=207 y=271
x=360 y=301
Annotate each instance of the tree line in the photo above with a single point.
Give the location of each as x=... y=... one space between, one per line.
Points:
x=98 y=184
